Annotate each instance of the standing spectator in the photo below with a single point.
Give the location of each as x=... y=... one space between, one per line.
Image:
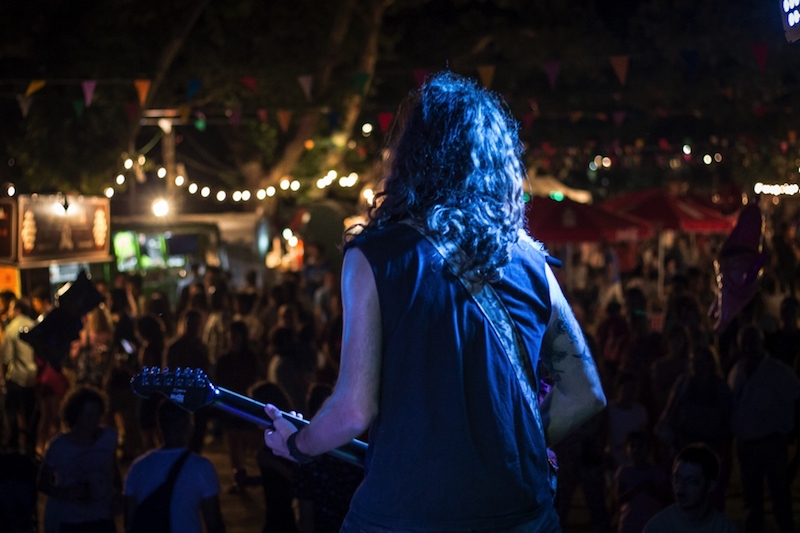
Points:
x=194 y=499
x=188 y=351
x=215 y=330
x=699 y=411
x=79 y=473
x=613 y=336
x=151 y=354
x=666 y=370
x=642 y=487
x=625 y=414
x=124 y=365
x=693 y=478
x=292 y=364
x=581 y=462
x=237 y=370
x=193 y=277
x=765 y=391
x=315 y=266
x=784 y=344
x=785 y=254
x=18 y=378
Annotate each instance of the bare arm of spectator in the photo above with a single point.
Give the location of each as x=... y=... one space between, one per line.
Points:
x=577 y=394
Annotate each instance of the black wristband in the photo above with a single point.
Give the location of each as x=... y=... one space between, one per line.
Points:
x=296 y=454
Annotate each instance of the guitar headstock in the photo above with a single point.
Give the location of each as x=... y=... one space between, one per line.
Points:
x=188 y=388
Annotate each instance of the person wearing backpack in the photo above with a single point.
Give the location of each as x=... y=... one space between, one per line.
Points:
x=172 y=489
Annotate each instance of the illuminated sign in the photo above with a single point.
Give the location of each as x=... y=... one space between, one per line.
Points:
x=790 y=13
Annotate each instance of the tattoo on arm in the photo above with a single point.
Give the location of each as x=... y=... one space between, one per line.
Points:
x=562 y=340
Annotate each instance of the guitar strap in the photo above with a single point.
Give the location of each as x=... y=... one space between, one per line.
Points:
x=498 y=316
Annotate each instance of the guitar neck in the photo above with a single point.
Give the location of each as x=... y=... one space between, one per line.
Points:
x=248 y=409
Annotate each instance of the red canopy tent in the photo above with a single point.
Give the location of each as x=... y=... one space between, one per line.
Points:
x=668 y=212
x=566 y=221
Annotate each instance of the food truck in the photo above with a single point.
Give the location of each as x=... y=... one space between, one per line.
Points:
x=46 y=239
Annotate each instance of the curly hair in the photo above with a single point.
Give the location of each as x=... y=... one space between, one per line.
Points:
x=455 y=171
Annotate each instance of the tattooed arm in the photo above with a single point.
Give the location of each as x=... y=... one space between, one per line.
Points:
x=577 y=394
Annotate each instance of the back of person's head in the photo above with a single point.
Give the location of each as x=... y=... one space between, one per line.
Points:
x=193 y=323
x=455 y=168
x=703 y=456
x=245 y=303
x=613 y=308
x=41 y=293
x=239 y=332
x=268 y=392
x=175 y=424
x=119 y=301
x=704 y=362
x=751 y=340
x=151 y=329
x=790 y=308
x=74 y=402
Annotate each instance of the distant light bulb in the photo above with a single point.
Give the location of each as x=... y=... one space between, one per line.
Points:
x=205 y=191
x=285 y=184
x=109 y=192
x=179 y=181
x=261 y=194
x=295 y=185
x=687 y=149
x=221 y=196
x=236 y=196
x=162 y=172
x=142 y=159
x=192 y=188
x=160 y=207
x=120 y=179
x=707 y=159
x=271 y=191
x=128 y=164
x=366 y=129
x=11 y=190
x=287 y=233
x=245 y=196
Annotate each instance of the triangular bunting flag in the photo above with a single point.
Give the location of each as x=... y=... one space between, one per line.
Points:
x=88 y=87
x=142 y=88
x=132 y=108
x=284 y=117
x=34 y=86
x=250 y=83
x=333 y=120
x=24 y=104
x=306 y=81
x=486 y=74
x=360 y=80
x=552 y=68
x=385 y=120
x=192 y=87
x=78 y=106
x=620 y=66
x=262 y=114
x=527 y=120
x=185 y=112
x=234 y=116
x=690 y=58
x=420 y=75
x=619 y=117
x=759 y=51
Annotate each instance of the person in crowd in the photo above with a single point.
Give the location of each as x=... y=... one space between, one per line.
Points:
x=421 y=366
x=293 y=361
x=124 y=365
x=698 y=410
x=784 y=344
x=625 y=414
x=765 y=392
x=612 y=337
x=642 y=488
x=79 y=473
x=666 y=370
x=237 y=370
x=91 y=355
x=325 y=487
x=215 y=329
x=158 y=306
x=785 y=256
x=150 y=330
x=315 y=266
x=189 y=351
x=244 y=311
x=694 y=475
x=193 y=277
x=582 y=463
x=191 y=504
x=18 y=373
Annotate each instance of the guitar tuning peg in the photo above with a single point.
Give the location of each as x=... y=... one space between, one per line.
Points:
x=166 y=370
x=145 y=369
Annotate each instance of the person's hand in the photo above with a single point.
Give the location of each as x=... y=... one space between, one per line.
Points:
x=275 y=439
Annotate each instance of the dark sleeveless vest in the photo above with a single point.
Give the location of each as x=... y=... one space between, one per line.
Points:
x=455 y=446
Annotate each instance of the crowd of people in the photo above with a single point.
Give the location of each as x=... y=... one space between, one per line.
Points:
x=101 y=449
x=673 y=384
